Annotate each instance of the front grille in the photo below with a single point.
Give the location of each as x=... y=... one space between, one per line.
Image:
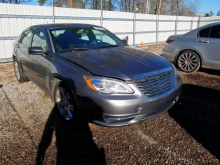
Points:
x=157 y=84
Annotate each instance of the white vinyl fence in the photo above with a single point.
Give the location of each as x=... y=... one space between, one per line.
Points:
x=146 y=28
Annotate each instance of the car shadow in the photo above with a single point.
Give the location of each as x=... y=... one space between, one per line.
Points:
x=198 y=112
x=74 y=141
x=210 y=71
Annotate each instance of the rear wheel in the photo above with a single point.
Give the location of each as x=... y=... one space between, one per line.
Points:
x=188 y=61
x=18 y=72
x=65 y=102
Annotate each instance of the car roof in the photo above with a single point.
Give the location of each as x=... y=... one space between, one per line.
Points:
x=194 y=32
x=60 y=25
x=211 y=24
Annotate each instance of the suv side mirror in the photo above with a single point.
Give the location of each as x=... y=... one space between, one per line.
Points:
x=125 y=41
x=35 y=50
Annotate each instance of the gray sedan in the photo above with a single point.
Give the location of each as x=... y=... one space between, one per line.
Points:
x=195 y=49
x=88 y=70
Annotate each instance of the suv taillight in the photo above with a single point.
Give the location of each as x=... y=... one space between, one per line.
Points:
x=169 y=41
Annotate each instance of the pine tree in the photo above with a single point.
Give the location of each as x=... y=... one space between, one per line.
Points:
x=218 y=13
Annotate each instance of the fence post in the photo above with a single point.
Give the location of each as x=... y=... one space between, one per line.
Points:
x=191 y=26
x=101 y=18
x=176 y=25
x=134 y=24
x=198 y=23
x=157 y=29
x=53 y=16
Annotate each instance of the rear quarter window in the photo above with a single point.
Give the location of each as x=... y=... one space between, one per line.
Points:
x=215 y=32
x=26 y=38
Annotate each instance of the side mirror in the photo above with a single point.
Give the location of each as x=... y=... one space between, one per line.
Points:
x=35 y=50
x=125 y=41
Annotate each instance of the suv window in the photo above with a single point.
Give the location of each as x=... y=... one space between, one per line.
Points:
x=39 y=40
x=56 y=33
x=26 y=38
x=215 y=32
x=83 y=34
x=104 y=37
x=204 y=32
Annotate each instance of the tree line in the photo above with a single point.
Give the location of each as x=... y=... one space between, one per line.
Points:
x=211 y=13
x=164 y=7
x=160 y=7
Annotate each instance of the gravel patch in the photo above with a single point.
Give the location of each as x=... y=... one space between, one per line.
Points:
x=31 y=131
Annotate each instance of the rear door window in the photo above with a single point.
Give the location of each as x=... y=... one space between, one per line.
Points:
x=204 y=32
x=215 y=32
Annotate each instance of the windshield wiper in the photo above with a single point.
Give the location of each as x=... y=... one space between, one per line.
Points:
x=108 y=46
x=73 y=49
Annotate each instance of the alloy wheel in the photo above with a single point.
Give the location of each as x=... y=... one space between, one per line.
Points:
x=64 y=103
x=188 y=62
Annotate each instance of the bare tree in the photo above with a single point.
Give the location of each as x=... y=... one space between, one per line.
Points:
x=158 y=7
x=131 y=6
x=165 y=7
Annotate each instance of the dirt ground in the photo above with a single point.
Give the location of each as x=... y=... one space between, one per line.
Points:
x=31 y=131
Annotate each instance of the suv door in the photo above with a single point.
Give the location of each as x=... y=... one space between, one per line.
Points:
x=24 y=44
x=209 y=46
x=41 y=62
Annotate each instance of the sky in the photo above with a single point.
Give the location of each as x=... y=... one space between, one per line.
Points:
x=209 y=5
x=205 y=5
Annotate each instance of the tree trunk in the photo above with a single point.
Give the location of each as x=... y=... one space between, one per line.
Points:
x=110 y=5
x=100 y=5
x=123 y=5
x=147 y=7
x=159 y=7
x=96 y=4
x=131 y=5
x=126 y=5
x=172 y=7
x=156 y=6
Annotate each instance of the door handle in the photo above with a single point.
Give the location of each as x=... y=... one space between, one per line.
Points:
x=203 y=41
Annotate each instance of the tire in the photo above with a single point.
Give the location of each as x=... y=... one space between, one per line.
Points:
x=18 y=72
x=188 y=61
x=65 y=102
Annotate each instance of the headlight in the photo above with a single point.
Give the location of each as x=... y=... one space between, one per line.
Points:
x=108 y=86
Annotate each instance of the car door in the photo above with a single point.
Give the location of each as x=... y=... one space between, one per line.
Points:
x=22 y=52
x=209 y=45
x=41 y=62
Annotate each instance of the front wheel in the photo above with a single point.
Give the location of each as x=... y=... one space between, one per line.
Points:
x=188 y=61
x=65 y=102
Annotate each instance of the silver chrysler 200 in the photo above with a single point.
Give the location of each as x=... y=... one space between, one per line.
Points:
x=88 y=70
x=195 y=49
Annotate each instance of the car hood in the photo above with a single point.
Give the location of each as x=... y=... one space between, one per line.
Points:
x=119 y=62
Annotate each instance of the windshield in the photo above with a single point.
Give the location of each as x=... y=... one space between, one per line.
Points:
x=82 y=38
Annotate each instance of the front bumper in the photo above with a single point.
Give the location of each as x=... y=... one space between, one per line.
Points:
x=120 y=110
